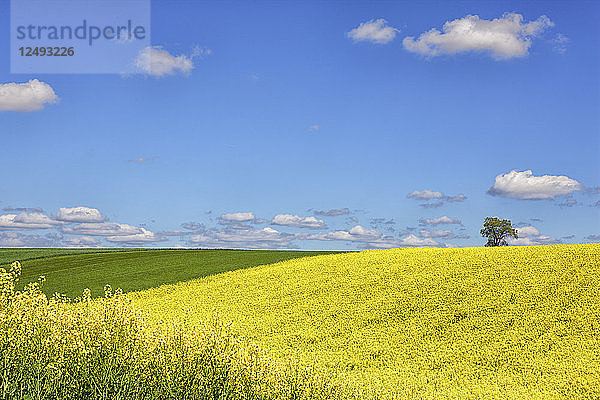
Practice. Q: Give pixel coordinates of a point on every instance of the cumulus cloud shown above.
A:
(155, 61)
(374, 31)
(79, 214)
(266, 238)
(455, 199)
(528, 231)
(298, 222)
(530, 235)
(333, 212)
(102, 229)
(22, 209)
(135, 239)
(526, 186)
(27, 221)
(193, 226)
(414, 241)
(440, 220)
(238, 217)
(505, 37)
(356, 234)
(371, 239)
(18, 239)
(425, 195)
(82, 241)
(28, 96)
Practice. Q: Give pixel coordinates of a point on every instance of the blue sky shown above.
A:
(262, 114)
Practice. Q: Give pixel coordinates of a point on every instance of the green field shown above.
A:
(132, 269)
(8, 255)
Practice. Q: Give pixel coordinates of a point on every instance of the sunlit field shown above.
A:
(69, 271)
(512, 322)
(471, 323)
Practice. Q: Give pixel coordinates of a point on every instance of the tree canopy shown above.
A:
(496, 230)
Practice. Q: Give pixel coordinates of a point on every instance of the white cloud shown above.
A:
(414, 241)
(238, 217)
(436, 233)
(28, 96)
(425, 195)
(374, 31)
(332, 213)
(266, 238)
(140, 238)
(528, 231)
(532, 241)
(102, 229)
(525, 186)
(364, 233)
(27, 221)
(158, 62)
(455, 199)
(503, 38)
(559, 43)
(82, 241)
(356, 234)
(298, 222)
(371, 239)
(314, 128)
(530, 235)
(79, 214)
(440, 220)
(17, 239)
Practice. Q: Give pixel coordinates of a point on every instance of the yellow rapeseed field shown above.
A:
(476, 323)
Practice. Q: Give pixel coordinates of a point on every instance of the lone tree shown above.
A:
(496, 230)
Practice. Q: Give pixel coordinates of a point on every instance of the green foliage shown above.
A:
(497, 230)
(141, 269)
(51, 348)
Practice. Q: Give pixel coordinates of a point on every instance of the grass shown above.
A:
(470, 323)
(134, 269)
(8, 255)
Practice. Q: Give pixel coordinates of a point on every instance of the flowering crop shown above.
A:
(105, 349)
(477, 323)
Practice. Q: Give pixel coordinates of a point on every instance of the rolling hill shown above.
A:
(511, 323)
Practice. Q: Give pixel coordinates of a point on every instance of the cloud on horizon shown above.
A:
(440, 220)
(332, 213)
(298, 222)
